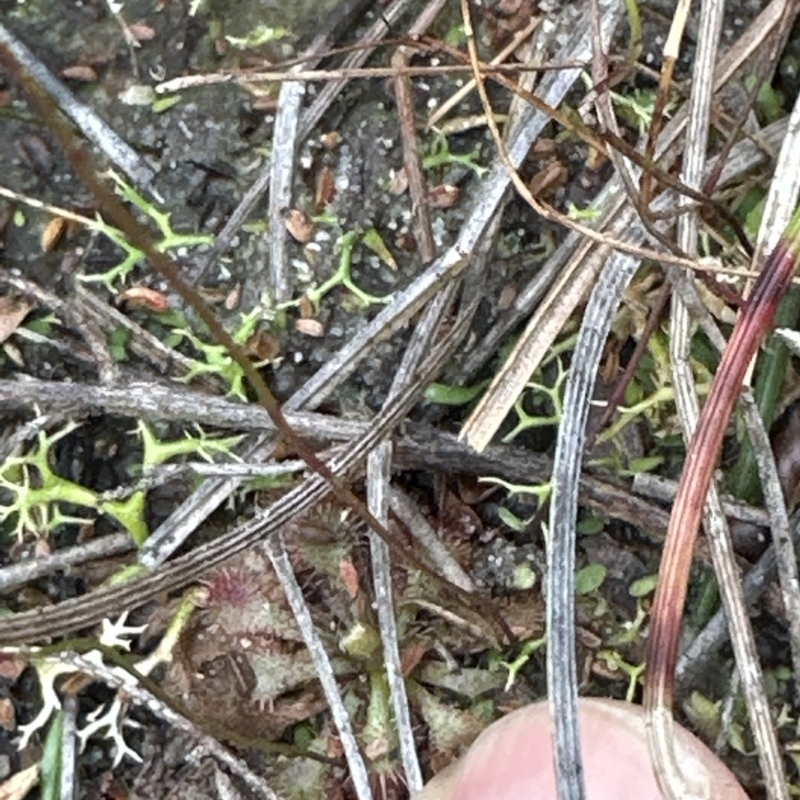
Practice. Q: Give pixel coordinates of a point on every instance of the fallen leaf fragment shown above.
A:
(349, 575)
(373, 241)
(142, 32)
(310, 327)
(263, 345)
(299, 225)
(330, 140)
(142, 297)
(234, 297)
(399, 182)
(325, 189)
(79, 72)
(306, 307)
(443, 196)
(19, 784)
(53, 233)
(8, 720)
(13, 311)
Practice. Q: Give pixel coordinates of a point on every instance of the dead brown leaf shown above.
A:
(310, 327)
(263, 345)
(142, 297)
(325, 189)
(299, 225)
(443, 196)
(13, 311)
(19, 784)
(80, 72)
(53, 233)
(142, 32)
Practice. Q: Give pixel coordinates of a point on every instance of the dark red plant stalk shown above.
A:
(753, 324)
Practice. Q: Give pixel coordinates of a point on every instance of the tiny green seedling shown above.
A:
(528, 649)
(590, 578)
(588, 214)
(446, 395)
(261, 34)
(618, 664)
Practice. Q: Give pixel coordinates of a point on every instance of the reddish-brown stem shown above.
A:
(754, 323)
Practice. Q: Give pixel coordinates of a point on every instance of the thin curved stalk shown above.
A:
(662, 650)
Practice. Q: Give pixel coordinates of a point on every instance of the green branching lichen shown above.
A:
(342, 276)
(214, 359)
(37, 493)
(441, 156)
(170, 240)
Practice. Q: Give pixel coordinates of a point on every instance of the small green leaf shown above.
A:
(524, 577)
(735, 736)
(261, 34)
(511, 520)
(43, 325)
(590, 213)
(51, 759)
(162, 104)
(361, 641)
(643, 586)
(590, 578)
(372, 240)
(644, 464)
(771, 103)
(118, 343)
(445, 395)
(590, 525)
(455, 36)
(704, 715)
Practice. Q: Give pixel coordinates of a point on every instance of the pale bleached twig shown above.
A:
(276, 551)
(379, 469)
(660, 488)
(67, 772)
(561, 633)
(23, 572)
(562, 676)
(282, 175)
(780, 202)
(96, 131)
